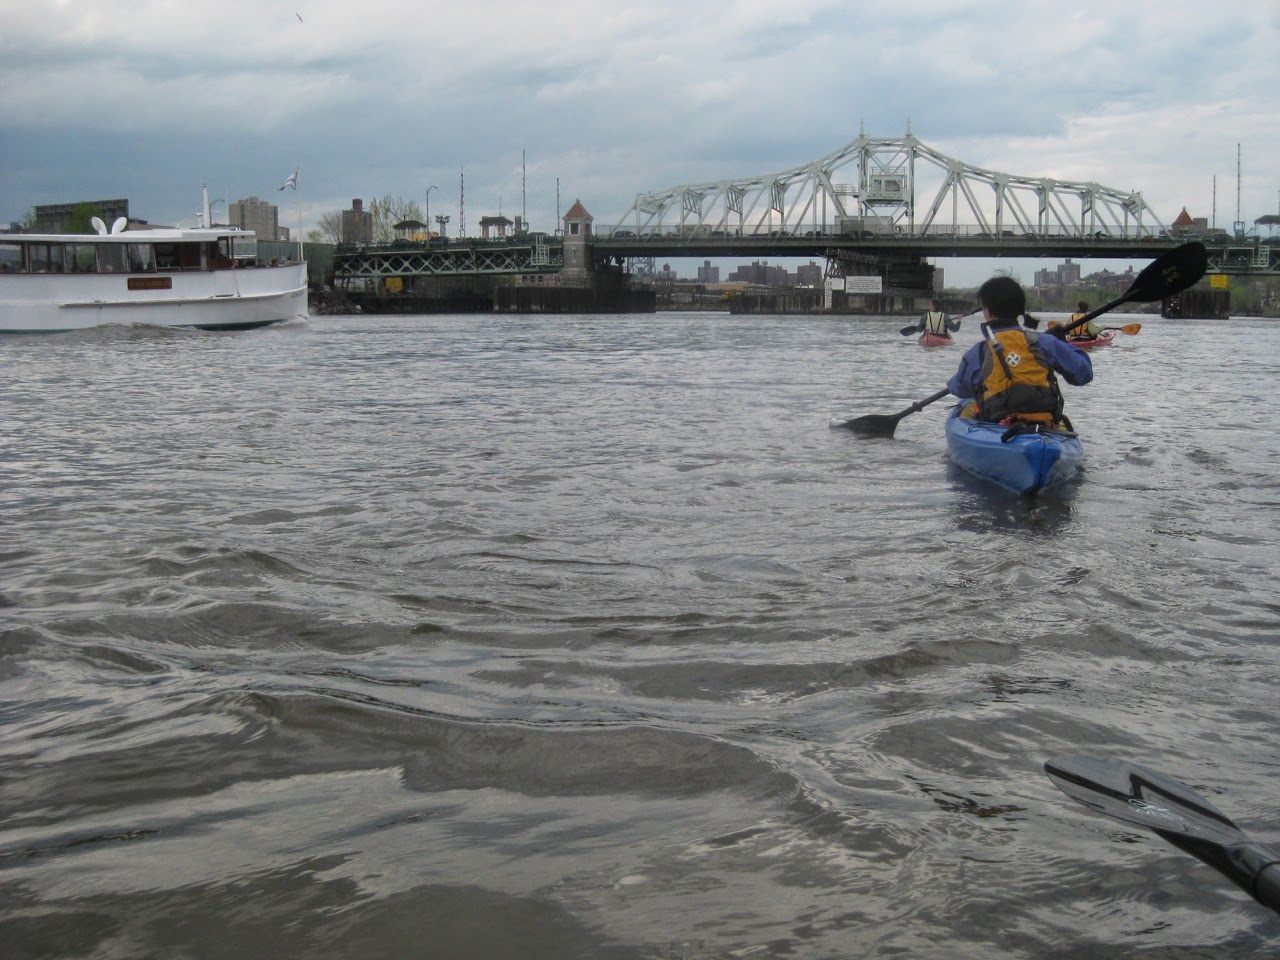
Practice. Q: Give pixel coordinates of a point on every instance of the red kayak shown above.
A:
(1101, 340)
(927, 339)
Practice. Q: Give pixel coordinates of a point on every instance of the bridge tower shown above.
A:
(576, 271)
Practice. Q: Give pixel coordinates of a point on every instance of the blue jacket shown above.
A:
(1072, 363)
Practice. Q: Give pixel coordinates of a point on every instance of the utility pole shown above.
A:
(462, 203)
(1239, 224)
(428, 212)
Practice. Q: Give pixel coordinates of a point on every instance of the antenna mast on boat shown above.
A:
(204, 207)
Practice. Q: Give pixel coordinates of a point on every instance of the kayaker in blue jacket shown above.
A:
(1011, 374)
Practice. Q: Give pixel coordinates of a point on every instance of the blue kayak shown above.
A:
(1024, 462)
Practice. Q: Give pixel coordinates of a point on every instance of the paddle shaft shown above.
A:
(1258, 873)
(921, 404)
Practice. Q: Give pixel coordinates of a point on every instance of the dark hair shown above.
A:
(1004, 297)
(1083, 306)
(935, 305)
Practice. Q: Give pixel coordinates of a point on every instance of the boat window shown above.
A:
(46, 257)
(188, 256)
(219, 254)
(11, 258)
(80, 258)
(177, 256)
(141, 258)
(166, 256)
(111, 258)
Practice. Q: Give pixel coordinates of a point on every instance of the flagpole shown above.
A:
(301, 259)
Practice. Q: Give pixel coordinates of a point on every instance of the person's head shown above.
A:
(1083, 306)
(935, 306)
(1003, 297)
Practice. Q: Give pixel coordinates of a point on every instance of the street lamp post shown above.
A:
(428, 212)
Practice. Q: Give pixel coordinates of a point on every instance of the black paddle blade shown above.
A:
(883, 424)
(908, 331)
(1143, 797)
(1175, 812)
(1164, 276)
(872, 425)
(1170, 273)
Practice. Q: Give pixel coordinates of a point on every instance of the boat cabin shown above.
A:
(169, 251)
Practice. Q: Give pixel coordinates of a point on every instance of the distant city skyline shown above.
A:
(959, 273)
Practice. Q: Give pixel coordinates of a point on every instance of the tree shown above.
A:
(81, 215)
(388, 211)
(328, 227)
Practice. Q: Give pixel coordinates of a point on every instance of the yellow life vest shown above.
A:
(1087, 331)
(1016, 379)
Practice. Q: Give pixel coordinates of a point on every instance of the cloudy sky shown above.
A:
(150, 99)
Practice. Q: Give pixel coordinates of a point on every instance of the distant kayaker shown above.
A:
(1009, 375)
(936, 322)
(1086, 331)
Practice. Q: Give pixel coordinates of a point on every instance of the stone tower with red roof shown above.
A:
(576, 271)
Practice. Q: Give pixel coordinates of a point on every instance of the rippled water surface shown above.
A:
(585, 637)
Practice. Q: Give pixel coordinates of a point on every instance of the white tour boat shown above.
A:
(172, 277)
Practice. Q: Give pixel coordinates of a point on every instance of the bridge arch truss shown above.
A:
(874, 187)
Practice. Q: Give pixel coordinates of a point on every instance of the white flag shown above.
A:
(292, 181)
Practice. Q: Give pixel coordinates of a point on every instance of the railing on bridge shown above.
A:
(355, 267)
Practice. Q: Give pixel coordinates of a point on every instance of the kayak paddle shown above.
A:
(883, 424)
(1169, 273)
(1175, 812)
(1129, 328)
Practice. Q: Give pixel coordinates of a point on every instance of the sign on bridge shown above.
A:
(863, 285)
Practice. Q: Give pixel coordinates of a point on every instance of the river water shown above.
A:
(585, 637)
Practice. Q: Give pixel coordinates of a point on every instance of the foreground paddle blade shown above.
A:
(1175, 812)
(872, 425)
(883, 424)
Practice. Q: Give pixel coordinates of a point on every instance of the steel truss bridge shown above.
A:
(876, 202)
(881, 187)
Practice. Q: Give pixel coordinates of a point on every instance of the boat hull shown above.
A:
(237, 299)
(927, 339)
(1026, 463)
